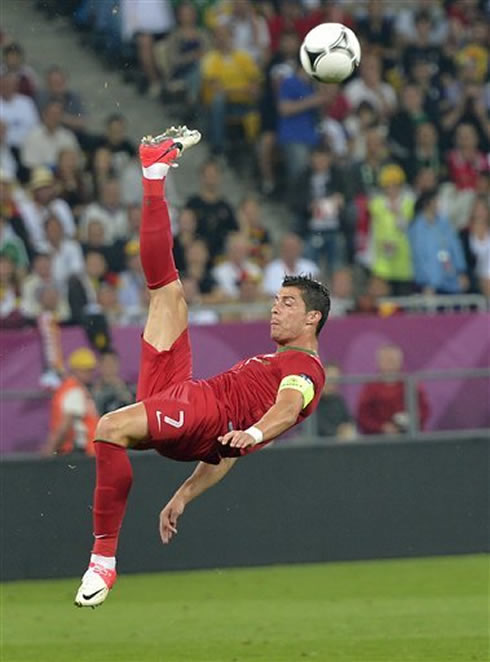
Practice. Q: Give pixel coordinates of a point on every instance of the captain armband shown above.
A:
(301, 383)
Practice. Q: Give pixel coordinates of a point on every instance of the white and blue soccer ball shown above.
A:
(330, 53)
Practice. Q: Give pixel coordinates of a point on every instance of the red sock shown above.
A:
(113, 482)
(156, 241)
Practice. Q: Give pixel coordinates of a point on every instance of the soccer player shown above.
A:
(215, 420)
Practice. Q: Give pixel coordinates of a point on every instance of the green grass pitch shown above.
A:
(424, 610)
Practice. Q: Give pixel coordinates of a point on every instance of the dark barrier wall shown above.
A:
(284, 506)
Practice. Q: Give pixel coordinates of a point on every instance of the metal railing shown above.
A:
(416, 303)
(310, 428)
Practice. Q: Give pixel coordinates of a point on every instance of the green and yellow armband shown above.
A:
(301, 383)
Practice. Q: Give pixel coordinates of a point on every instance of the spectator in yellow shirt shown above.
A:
(230, 88)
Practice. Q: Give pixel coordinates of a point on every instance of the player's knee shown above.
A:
(110, 428)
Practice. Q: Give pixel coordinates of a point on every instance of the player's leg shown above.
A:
(167, 316)
(114, 434)
(166, 323)
(166, 354)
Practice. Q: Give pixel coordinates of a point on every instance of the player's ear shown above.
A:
(313, 317)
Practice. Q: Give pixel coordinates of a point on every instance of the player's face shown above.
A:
(289, 316)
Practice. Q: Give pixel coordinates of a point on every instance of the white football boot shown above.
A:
(96, 584)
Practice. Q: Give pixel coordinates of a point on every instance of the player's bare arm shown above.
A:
(204, 477)
(278, 419)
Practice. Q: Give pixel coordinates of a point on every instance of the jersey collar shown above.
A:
(297, 349)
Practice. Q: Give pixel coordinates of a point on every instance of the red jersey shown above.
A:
(186, 418)
(380, 401)
(249, 389)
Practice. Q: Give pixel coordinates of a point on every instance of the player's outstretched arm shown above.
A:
(280, 417)
(203, 477)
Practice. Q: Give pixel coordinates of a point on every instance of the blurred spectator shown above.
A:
(13, 246)
(10, 210)
(109, 304)
(198, 313)
(83, 286)
(382, 408)
(17, 111)
(437, 253)
(362, 176)
(370, 87)
(131, 284)
(334, 418)
(391, 212)
(66, 254)
(467, 103)
(230, 88)
(377, 29)
(44, 143)
(13, 63)
(215, 216)
(237, 265)
(37, 291)
(288, 18)
(134, 221)
(319, 201)
(357, 126)
(252, 226)
(404, 123)
(8, 162)
(116, 141)
(282, 65)
(185, 236)
(43, 203)
(476, 240)
(421, 48)
(368, 302)
(101, 169)
(83, 298)
(405, 21)
(73, 115)
(10, 314)
(288, 263)
(73, 412)
(299, 99)
(180, 54)
(71, 184)
(110, 391)
(96, 241)
(424, 152)
(109, 210)
(341, 292)
(249, 293)
(147, 23)
(197, 267)
(249, 30)
(466, 162)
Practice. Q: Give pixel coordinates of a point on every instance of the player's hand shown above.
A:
(237, 439)
(168, 518)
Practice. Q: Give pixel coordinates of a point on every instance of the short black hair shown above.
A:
(316, 295)
(424, 200)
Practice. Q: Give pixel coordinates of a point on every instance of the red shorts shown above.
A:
(184, 417)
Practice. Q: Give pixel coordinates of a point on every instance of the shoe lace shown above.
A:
(105, 573)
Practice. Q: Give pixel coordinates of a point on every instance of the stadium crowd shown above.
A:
(386, 176)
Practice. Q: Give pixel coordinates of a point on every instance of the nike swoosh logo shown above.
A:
(92, 595)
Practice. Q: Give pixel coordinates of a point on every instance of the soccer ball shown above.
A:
(330, 53)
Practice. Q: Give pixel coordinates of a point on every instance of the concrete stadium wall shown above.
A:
(293, 505)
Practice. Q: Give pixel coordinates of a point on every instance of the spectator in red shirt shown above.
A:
(382, 404)
(466, 162)
(289, 18)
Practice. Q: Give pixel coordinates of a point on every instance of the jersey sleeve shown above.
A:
(303, 373)
(301, 383)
